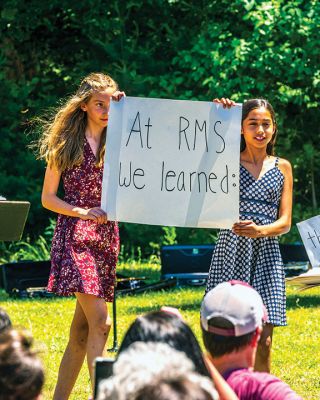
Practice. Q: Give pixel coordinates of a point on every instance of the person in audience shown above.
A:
(181, 387)
(167, 326)
(21, 371)
(141, 364)
(5, 321)
(232, 317)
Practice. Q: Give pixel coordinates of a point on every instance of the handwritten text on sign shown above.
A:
(172, 162)
(310, 234)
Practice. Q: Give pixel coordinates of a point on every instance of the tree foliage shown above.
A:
(161, 48)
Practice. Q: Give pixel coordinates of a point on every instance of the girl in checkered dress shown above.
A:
(250, 251)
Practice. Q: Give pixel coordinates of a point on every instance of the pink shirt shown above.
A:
(250, 385)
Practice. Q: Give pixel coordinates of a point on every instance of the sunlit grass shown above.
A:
(295, 351)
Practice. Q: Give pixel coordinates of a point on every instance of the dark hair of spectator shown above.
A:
(4, 320)
(218, 345)
(21, 372)
(253, 104)
(161, 326)
(173, 389)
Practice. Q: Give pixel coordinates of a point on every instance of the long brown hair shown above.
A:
(61, 143)
(252, 104)
(21, 371)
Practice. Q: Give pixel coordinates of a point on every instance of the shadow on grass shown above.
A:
(302, 300)
(294, 300)
(4, 297)
(175, 297)
(182, 308)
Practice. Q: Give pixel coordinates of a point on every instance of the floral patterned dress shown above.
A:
(84, 254)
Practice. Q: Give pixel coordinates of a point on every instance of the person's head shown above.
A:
(5, 321)
(181, 387)
(61, 144)
(258, 125)
(21, 372)
(139, 365)
(95, 92)
(166, 327)
(232, 315)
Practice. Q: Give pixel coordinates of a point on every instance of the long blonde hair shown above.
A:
(61, 143)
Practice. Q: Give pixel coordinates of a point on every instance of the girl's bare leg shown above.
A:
(96, 312)
(263, 357)
(74, 355)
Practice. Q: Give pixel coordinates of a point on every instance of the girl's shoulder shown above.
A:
(282, 162)
(284, 165)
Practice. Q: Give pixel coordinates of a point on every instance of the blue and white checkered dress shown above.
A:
(256, 261)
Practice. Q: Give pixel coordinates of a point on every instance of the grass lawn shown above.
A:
(296, 355)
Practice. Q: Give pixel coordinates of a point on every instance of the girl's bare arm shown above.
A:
(52, 202)
(283, 223)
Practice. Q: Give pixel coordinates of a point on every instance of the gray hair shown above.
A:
(141, 364)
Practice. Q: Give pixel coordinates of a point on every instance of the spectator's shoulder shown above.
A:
(245, 383)
(248, 384)
(275, 389)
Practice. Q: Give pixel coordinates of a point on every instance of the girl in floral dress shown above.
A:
(85, 245)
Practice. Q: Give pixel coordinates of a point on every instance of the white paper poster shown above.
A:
(172, 162)
(310, 234)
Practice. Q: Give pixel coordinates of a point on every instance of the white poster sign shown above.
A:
(172, 162)
(310, 234)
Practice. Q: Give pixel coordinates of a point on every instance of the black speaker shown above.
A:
(293, 252)
(190, 264)
(18, 277)
(295, 259)
(186, 263)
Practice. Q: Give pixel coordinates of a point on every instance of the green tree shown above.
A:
(160, 48)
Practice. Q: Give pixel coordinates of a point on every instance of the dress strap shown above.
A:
(276, 163)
